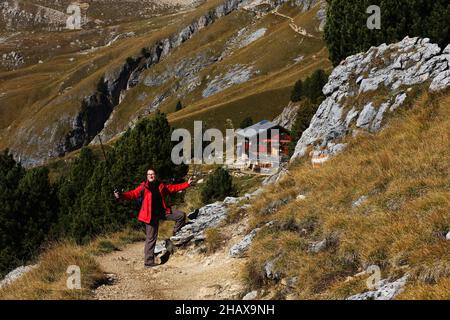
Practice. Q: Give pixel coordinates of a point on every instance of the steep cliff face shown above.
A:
(366, 87)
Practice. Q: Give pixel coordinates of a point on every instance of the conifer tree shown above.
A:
(28, 209)
(297, 91)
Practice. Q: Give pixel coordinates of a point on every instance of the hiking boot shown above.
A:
(150, 265)
(193, 215)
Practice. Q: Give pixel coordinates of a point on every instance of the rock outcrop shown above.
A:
(386, 290)
(251, 295)
(270, 271)
(12, 60)
(209, 216)
(240, 248)
(16, 274)
(262, 7)
(16, 15)
(349, 104)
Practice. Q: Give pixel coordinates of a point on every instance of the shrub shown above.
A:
(311, 88)
(218, 186)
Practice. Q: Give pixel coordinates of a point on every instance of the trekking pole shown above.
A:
(106, 159)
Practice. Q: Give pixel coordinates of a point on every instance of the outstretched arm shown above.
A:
(178, 187)
(130, 195)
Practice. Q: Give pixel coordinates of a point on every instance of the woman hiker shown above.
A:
(154, 209)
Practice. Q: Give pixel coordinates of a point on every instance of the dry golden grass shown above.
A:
(439, 291)
(405, 172)
(48, 280)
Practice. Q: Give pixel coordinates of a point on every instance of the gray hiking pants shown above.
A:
(151, 231)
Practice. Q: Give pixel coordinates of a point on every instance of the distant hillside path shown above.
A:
(187, 275)
(293, 26)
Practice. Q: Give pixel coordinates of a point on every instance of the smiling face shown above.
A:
(151, 175)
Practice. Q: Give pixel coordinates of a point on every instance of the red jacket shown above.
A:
(145, 214)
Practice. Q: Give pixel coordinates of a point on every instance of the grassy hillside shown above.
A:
(404, 172)
(48, 280)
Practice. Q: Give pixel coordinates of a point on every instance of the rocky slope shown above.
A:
(366, 87)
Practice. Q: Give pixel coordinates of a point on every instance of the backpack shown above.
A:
(140, 199)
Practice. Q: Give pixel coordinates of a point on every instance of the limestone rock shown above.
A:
(276, 177)
(160, 247)
(209, 216)
(289, 283)
(335, 148)
(366, 117)
(240, 248)
(386, 290)
(270, 272)
(235, 75)
(318, 246)
(398, 68)
(231, 200)
(16, 274)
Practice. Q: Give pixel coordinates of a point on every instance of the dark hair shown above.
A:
(151, 169)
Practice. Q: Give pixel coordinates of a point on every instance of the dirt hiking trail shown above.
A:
(188, 274)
